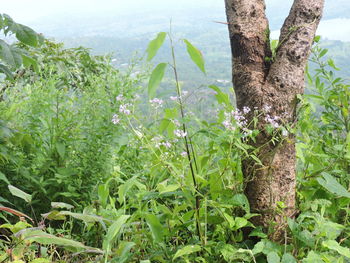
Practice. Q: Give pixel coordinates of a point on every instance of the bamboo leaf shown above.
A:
(154, 45)
(19, 193)
(4, 178)
(114, 229)
(186, 251)
(195, 55)
(156, 227)
(155, 79)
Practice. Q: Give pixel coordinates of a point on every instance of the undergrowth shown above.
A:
(92, 178)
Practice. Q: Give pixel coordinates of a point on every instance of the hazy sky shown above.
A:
(29, 11)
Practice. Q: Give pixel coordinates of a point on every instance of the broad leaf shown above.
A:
(334, 245)
(240, 222)
(156, 227)
(195, 55)
(154, 45)
(313, 257)
(155, 79)
(30, 62)
(273, 257)
(288, 258)
(186, 251)
(10, 55)
(332, 185)
(5, 70)
(19, 193)
(26, 35)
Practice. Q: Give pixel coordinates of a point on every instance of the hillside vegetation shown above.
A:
(103, 162)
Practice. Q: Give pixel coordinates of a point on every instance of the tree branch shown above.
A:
(298, 31)
(249, 36)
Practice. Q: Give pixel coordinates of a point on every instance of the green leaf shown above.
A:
(87, 218)
(331, 64)
(154, 45)
(26, 35)
(155, 79)
(288, 258)
(242, 200)
(4, 178)
(334, 245)
(221, 97)
(168, 188)
(5, 70)
(313, 257)
(61, 205)
(10, 55)
(19, 193)
(230, 220)
(317, 38)
(61, 149)
(47, 239)
(30, 62)
(186, 251)
(195, 55)
(156, 227)
(103, 194)
(257, 232)
(114, 229)
(332, 185)
(259, 247)
(323, 52)
(273, 257)
(40, 260)
(240, 222)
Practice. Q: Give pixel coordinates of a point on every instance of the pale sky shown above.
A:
(29, 11)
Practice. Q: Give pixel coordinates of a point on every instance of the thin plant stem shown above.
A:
(186, 139)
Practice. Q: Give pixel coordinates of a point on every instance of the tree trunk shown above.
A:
(271, 85)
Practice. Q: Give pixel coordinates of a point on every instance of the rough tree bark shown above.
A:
(261, 82)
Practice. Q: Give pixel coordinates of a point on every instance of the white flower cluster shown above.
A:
(156, 103)
(237, 117)
(180, 133)
(272, 120)
(115, 119)
(124, 108)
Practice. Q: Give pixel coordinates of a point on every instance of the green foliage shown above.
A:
(128, 182)
(12, 56)
(154, 45)
(155, 79)
(62, 142)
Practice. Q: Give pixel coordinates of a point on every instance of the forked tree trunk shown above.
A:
(260, 82)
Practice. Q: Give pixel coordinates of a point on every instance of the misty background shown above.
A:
(123, 27)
